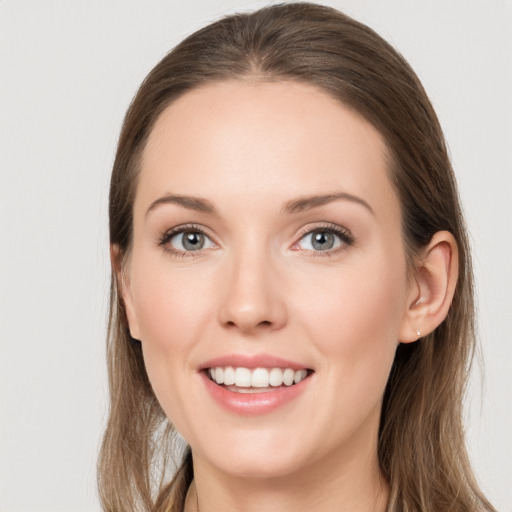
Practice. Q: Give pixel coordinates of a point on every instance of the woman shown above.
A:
(291, 287)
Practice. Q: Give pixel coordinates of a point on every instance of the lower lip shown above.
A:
(253, 404)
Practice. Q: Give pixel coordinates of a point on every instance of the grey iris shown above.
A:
(193, 241)
(322, 240)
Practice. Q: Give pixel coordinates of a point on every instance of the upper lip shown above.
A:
(251, 361)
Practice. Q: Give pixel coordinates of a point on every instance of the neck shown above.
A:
(352, 483)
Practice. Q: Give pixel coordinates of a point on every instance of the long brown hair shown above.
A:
(421, 440)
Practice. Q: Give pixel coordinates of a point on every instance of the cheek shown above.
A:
(170, 310)
(355, 320)
(355, 325)
(174, 305)
(169, 305)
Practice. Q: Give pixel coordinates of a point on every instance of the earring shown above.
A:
(418, 333)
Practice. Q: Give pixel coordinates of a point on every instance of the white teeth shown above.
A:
(276, 377)
(256, 378)
(229, 376)
(219, 375)
(242, 378)
(299, 375)
(259, 378)
(288, 376)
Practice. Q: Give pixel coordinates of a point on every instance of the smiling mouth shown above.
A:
(256, 380)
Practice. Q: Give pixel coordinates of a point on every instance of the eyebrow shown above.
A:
(191, 203)
(315, 201)
(294, 206)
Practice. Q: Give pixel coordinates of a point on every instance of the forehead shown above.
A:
(262, 139)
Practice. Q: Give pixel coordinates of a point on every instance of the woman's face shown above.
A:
(267, 246)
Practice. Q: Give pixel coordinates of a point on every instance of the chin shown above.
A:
(260, 468)
(257, 456)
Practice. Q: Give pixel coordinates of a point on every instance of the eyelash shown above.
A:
(343, 234)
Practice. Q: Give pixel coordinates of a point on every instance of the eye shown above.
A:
(324, 240)
(186, 240)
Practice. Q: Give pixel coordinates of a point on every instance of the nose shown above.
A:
(253, 300)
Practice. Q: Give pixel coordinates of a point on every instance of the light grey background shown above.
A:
(68, 70)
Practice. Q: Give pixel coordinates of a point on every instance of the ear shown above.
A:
(433, 287)
(123, 289)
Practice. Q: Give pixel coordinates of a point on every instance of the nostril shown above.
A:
(263, 323)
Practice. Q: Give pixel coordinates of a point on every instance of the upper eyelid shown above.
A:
(186, 227)
(167, 235)
(327, 226)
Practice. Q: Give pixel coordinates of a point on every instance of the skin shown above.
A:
(258, 286)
